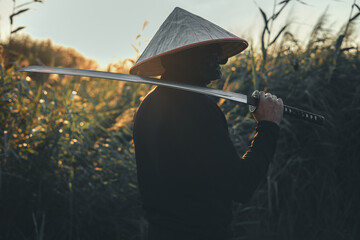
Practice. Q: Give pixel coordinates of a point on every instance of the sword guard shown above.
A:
(253, 100)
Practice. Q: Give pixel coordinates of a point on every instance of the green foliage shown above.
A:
(310, 187)
(67, 158)
(310, 192)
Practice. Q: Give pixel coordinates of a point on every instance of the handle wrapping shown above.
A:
(304, 115)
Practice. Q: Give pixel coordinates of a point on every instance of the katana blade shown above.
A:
(237, 97)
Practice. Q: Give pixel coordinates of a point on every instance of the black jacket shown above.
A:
(188, 169)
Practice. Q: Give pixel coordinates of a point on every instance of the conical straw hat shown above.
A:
(183, 30)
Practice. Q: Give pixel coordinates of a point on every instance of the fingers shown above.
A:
(270, 97)
(273, 100)
(270, 108)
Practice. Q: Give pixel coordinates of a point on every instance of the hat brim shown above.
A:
(153, 67)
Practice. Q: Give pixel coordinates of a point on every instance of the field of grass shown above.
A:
(67, 167)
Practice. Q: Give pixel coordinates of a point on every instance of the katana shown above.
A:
(251, 100)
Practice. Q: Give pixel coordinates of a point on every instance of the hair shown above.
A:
(189, 56)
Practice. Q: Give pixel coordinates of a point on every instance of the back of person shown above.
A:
(176, 173)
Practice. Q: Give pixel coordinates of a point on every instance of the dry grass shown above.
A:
(67, 158)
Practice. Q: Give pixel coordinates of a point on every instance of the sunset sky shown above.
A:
(104, 30)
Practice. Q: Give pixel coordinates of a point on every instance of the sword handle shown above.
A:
(253, 102)
(304, 115)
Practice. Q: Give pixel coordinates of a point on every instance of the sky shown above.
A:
(105, 29)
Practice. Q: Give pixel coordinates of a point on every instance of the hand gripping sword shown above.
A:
(251, 100)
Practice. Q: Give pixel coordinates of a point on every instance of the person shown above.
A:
(188, 169)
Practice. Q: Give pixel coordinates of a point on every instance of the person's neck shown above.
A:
(183, 77)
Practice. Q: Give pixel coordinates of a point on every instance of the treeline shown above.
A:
(24, 50)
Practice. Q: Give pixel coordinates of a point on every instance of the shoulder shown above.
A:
(163, 97)
(175, 103)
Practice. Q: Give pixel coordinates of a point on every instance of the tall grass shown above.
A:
(68, 170)
(311, 190)
(67, 157)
